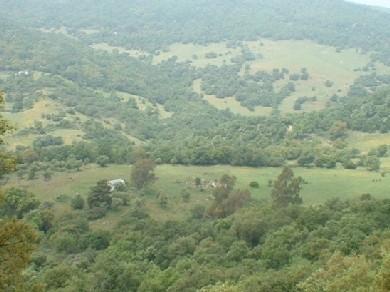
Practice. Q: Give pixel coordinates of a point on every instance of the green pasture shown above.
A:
(321, 185)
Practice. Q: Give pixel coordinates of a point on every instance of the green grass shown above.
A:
(196, 54)
(322, 62)
(366, 142)
(27, 118)
(386, 164)
(230, 103)
(322, 184)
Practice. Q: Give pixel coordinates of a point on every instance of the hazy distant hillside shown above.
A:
(151, 24)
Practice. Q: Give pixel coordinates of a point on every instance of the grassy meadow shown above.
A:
(197, 54)
(230, 103)
(323, 63)
(366, 142)
(321, 185)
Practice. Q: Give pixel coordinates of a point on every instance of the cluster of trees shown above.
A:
(234, 243)
(250, 90)
(17, 239)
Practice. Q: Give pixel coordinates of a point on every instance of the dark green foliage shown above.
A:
(321, 21)
(103, 160)
(78, 202)
(99, 196)
(142, 173)
(18, 203)
(186, 195)
(226, 245)
(46, 141)
(286, 189)
(258, 248)
(226, 199)
(249, 90)
(98, 240)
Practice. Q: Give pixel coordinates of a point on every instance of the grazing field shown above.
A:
(230, 103)
(322, 184)
(199, 55)
(27, 118)
(322, 63)
(366, 142)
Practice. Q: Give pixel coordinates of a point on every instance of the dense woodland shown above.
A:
(117, 102)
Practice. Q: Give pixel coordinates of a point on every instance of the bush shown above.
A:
(78, 203)
(186, 195)
(122, 196)
(98, 240)
(198, 212)
(103, 160)
(96, 213)
(254, 184)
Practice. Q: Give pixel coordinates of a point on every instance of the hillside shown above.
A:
(200, 146)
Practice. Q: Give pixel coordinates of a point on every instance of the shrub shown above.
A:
(78, 202)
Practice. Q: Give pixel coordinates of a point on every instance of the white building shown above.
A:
(115, 183)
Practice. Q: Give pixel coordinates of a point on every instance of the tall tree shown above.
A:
(226, 199)
(99, 195)
(286, 189)
(142, 173)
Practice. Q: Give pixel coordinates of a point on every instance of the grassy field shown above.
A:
(27, 118)
(197, 54)
(230, 103)
(366, 142)
(322, 184)
(322, 62)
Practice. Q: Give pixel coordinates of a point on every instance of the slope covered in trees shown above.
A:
(153, 24)
(95, 85)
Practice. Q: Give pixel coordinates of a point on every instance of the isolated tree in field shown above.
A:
(99, 195)
(226, 199)
(142, 173)
(286, 189)
(78, 202)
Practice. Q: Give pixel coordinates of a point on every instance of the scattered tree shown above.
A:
(142, 173)
(286, 189)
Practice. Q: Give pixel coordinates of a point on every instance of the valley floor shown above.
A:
(321, 185)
